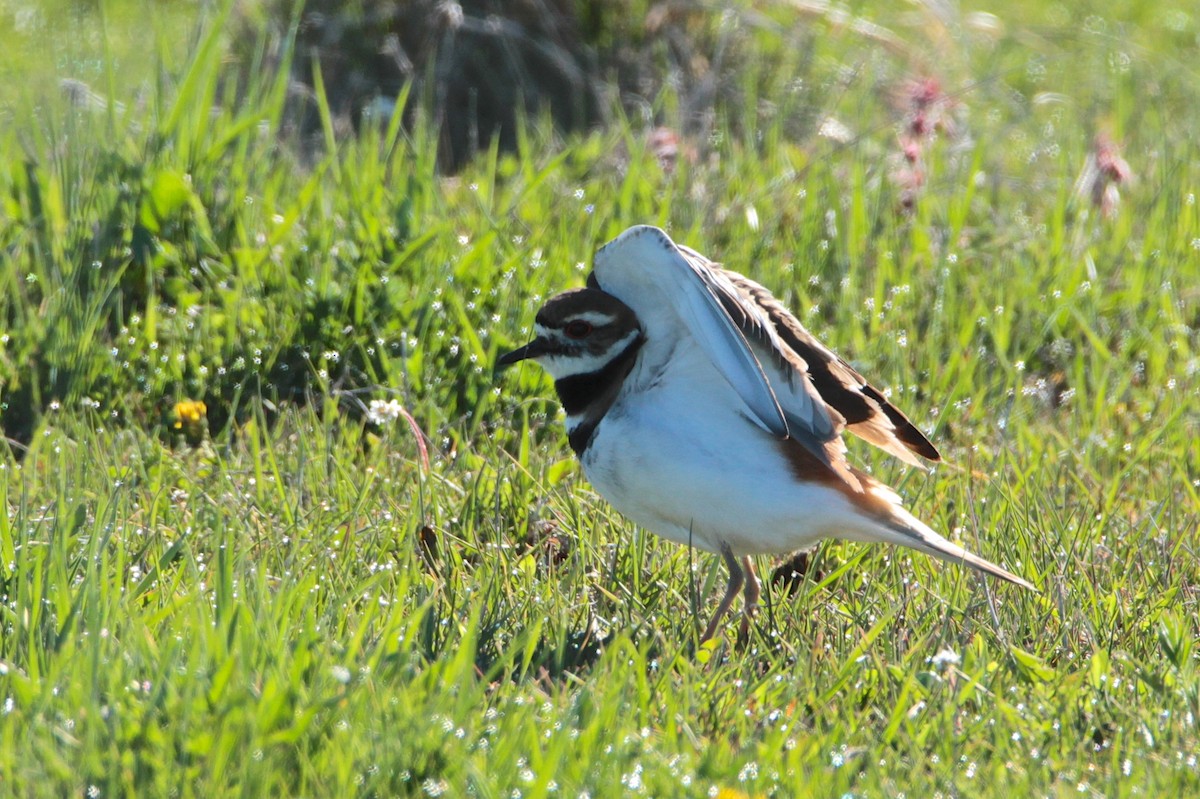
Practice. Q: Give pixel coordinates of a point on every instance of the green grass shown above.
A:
(295, 602)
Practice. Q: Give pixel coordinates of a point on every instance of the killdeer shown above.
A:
(706, 413)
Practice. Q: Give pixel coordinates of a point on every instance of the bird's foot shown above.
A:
(744, 628)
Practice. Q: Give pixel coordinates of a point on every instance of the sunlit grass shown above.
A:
(221, 574)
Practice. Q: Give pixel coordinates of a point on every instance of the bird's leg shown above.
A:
(736, 579)
(752, 592)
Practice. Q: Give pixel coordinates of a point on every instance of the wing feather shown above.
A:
(644, 269)
(867, 412)
(792, 384)
(668, 285)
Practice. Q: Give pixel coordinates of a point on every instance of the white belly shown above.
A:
(686, 466)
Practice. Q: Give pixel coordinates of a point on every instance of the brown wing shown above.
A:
(837, 396)
(867, 412)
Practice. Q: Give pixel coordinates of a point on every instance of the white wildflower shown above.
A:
(384, 411)
(944, 659)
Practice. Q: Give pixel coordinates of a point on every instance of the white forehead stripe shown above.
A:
(593, 318)
(596, 318)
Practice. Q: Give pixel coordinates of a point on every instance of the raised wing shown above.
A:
(792, 384)
(644, 269)
(669, 286)
(867, 412)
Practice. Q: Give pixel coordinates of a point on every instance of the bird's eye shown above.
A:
(578, 328)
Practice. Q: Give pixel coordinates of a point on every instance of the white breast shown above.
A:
(677, 454)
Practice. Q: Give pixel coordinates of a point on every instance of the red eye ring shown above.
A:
(578, 328)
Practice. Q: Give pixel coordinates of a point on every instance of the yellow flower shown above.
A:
(734, 793)
(189, 412)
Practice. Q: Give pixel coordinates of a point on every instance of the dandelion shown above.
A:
(189, 412)
(189, 418)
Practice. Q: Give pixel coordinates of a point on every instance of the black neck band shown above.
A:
(579, 392)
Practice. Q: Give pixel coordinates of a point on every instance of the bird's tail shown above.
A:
(901, 527)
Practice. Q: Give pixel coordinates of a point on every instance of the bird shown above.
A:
(704, 411)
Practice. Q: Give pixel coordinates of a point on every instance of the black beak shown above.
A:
(533, 349)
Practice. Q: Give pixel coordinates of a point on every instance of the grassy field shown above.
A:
(989, 210)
